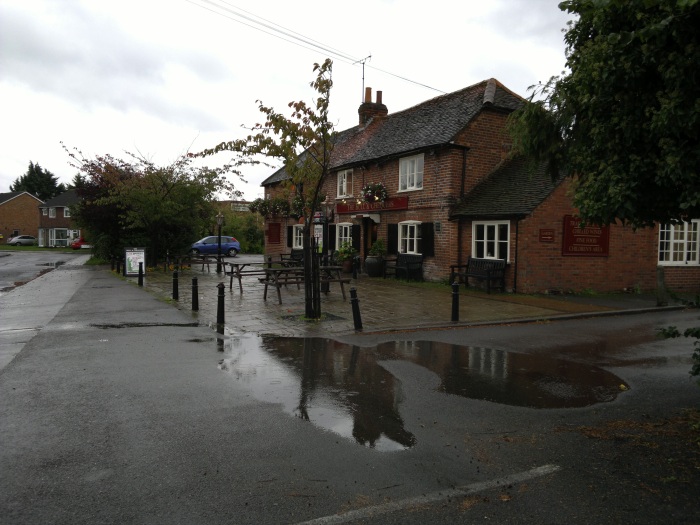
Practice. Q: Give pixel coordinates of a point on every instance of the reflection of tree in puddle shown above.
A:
(342, 388)
(333, 385)
(510, 378)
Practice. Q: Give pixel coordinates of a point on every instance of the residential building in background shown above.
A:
(18, 214)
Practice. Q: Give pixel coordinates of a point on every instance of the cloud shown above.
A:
(74, 54)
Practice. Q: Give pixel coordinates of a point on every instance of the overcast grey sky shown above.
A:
(162, 77)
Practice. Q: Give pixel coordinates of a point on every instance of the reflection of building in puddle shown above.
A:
(343, 388)
(335, 386)
(509, 378)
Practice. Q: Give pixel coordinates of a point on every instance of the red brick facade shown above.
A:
(19, 214)
(536, 259)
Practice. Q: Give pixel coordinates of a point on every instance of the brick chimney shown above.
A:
(369, 109)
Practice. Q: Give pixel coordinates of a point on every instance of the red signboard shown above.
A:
(355, 206)
(581, 240)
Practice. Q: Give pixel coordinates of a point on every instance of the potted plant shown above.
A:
(344, 256)
(374, 262)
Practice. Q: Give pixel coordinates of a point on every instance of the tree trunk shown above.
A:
(312, 285)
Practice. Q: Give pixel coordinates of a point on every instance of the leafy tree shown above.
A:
(246, 227)
(39, 182)
(625, 120)
(303, 143)
(136, 203)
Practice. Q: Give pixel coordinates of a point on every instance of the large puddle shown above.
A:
(344, 389)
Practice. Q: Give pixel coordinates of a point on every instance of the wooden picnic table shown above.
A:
(279, 277)
(238, 271)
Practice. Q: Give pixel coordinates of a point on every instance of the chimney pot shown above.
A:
(368, 94)
(379, 97)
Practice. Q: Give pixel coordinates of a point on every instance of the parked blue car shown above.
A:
(210, 245)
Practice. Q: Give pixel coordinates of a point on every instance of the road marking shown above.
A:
(374, 511)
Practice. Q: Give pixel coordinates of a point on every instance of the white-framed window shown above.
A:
(411, 173)
(52, 213)
(345, 183)
(409, 237)
(491, 240)
(343, 232)
(66, 211)
(678, 243)
(298, 236)
(44, 211)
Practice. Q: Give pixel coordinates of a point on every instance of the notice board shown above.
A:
(582, 240)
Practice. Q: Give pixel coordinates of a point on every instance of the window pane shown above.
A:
(692, 242)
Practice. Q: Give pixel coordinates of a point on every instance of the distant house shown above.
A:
(452, 190)
(56, 227)
(18, 214)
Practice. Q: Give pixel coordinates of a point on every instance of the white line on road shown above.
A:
(386, 508)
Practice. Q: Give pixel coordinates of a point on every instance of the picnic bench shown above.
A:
(295, 258)
(409, 265)
(178, 262)
(237, 270)
(490, 271)
(279, 277)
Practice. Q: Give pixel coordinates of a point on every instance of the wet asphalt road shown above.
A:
(117, 410)
(21, 266)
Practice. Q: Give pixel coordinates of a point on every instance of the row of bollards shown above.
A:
(220, 321)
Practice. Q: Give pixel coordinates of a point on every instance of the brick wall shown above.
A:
(20, 213)
(446, 170)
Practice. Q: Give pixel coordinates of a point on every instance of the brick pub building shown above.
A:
(454, 191)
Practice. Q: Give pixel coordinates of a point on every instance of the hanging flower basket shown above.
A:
(375, 192)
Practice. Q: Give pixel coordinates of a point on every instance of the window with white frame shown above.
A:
(44, 211)
(678, 243)
(409, 237)
(411, 173)
(345, 183)
(52, 212)
(491, 240)
(298, 236)
(343, 234)
(66, 212)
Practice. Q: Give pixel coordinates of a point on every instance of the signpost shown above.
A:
(132, 258)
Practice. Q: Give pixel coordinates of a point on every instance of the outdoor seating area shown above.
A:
(489, 271)
(278, 274)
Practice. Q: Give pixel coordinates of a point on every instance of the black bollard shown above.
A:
(195, 295)
(220, 309)
(355, 309)
(176, 294)
(455, 301)
(140, 273)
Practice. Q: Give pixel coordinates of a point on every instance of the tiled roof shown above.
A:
(432, 123)
(4, 197)
(67, 198)
(512, 190)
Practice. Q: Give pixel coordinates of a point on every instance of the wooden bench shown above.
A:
(180, 262)
(332, 274)
(238, 271)
(279, 277)
(295, 258)
(491, 271)
(409, 265)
